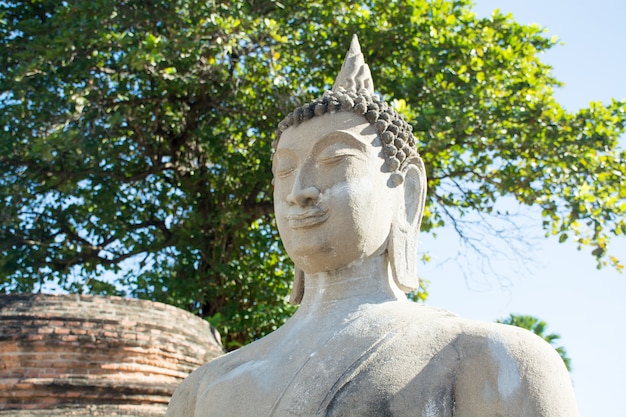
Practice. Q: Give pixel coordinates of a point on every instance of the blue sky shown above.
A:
(560, 285)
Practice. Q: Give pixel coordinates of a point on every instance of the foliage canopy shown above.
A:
(136, 138)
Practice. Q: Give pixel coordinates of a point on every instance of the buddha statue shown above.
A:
(349, 192)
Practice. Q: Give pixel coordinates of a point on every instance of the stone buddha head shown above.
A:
(348, 182)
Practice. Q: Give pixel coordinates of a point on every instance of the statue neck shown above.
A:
(366, 282)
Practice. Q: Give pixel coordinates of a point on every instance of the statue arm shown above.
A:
(512, 372)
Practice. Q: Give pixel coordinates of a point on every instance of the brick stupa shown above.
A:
(71, 355)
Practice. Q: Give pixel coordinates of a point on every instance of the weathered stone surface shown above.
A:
(348, 209)
(91, 356)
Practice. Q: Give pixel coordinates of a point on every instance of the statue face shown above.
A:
(333, 203)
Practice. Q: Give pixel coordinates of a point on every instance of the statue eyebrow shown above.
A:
(339, 137)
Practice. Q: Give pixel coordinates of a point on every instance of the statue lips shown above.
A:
(307, 218)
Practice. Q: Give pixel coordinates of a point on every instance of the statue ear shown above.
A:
(297, 290)
(402, 246)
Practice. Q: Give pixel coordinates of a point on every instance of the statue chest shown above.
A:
(380, 373)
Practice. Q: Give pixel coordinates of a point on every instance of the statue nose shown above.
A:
(303, 196)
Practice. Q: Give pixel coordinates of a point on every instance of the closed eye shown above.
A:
(284, 171)
(283, 164)
(336, 157)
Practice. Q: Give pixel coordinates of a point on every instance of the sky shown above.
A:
(559, 284)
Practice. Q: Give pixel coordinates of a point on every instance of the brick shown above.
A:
(142, 336)
(45, 330)
(9, 347)
(61, 330)
(46, 401)
(73, 394)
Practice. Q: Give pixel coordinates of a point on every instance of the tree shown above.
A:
(136, 138)
(538, 327)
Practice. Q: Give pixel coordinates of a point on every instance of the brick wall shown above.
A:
(76, 355)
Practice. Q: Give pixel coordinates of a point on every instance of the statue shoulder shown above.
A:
(183, 402)
(209, 378)
(511, 370)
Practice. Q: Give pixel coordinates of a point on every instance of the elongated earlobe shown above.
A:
(297, 290)
(402, 247)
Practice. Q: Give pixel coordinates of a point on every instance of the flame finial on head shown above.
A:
(355, 73)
